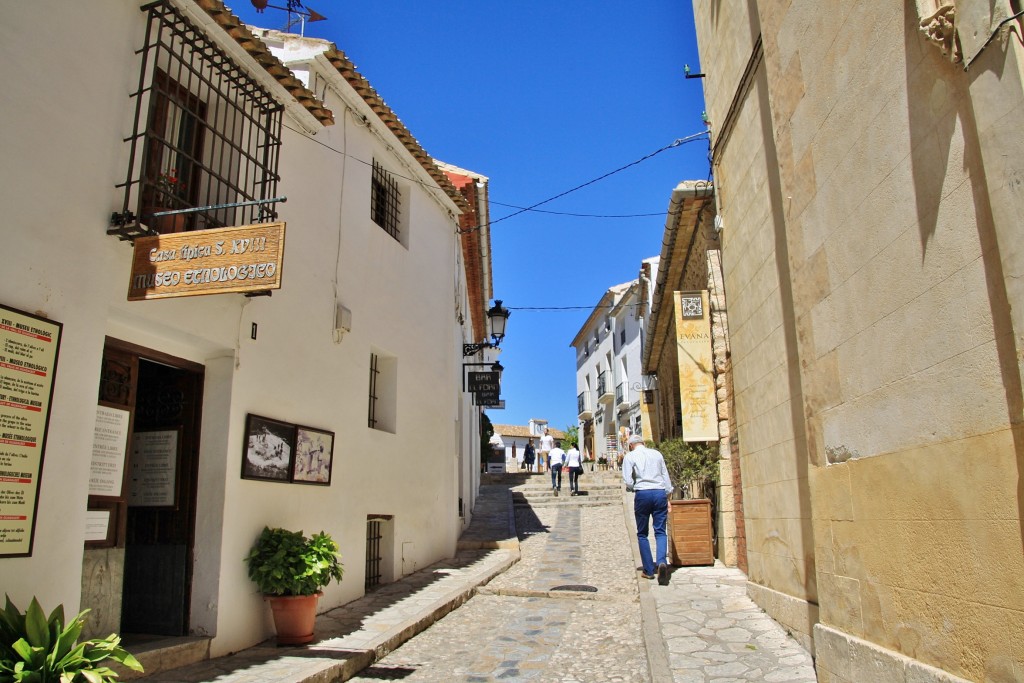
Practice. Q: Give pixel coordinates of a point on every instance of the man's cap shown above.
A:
(636, 438)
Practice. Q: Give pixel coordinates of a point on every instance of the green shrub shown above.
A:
(37, 649)
(285, 562)
(691, 463)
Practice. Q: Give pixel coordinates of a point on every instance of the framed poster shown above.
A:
(29, 346)
(314, 456)
(268, 449)
(109, 447)
(153, 472)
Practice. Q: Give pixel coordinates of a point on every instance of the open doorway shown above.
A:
(156, 512)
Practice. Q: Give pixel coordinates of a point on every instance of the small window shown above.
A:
(383, 392)
(385, 201)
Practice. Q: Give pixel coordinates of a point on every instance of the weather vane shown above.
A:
(297, 14)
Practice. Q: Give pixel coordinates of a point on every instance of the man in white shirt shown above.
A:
(555, 459)
(547, 442)
(644, 472)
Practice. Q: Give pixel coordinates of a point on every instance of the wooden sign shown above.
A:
(244, 258)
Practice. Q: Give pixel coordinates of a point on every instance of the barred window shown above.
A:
(383, 395)
(385, 201)
(374, 372)
(206, 135)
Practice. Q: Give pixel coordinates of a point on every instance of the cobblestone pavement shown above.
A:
(526, 626)
(572, 609)
(714, 632)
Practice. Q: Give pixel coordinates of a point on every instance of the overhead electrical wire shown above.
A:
(584, 215)
(532, 207)
(674, 143)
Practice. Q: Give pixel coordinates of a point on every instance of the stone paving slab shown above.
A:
(521, 626)
(351, 637)
(703, 627)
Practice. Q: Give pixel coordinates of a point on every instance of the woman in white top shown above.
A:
(575, 465)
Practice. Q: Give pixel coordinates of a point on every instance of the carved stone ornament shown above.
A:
(940, 28)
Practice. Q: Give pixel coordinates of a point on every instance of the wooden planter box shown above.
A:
(689, 533)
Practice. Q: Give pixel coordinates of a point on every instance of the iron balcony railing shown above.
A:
(581, 404)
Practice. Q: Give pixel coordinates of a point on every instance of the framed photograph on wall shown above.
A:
(314, 456)
(269, 445)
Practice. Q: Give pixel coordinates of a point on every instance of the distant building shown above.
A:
(609, 381)
(515, 437)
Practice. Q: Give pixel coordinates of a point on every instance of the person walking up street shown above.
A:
(644, 473)
(547, 442)
(575, 465)
(555, 460)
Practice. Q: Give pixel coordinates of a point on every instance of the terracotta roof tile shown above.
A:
(524, 431)
(348, 71)
(259, 51)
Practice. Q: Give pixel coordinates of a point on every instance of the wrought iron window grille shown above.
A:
(206, 138)
(385, 201)
(374, 373)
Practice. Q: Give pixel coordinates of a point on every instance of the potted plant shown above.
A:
(602, 462)
(693, 468)
(167, 191)
(34, 647)
(290, 569)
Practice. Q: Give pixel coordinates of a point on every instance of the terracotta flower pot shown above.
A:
(294, 617)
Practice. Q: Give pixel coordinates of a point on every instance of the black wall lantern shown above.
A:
(497, 315)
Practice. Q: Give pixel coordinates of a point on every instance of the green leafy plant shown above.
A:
(35, 648)
(572, 437)
(691, 463)
(286, 562)
(486, 432)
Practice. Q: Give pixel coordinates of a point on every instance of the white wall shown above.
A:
(65, 127)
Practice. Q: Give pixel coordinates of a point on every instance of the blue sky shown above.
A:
(540, 98)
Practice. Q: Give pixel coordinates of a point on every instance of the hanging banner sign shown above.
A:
(488, 399)
(696, 376)
(29, 347)
(239, 259)
(483, 381)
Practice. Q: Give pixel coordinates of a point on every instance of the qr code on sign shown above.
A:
(691, 306)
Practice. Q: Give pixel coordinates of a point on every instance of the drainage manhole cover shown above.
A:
(579, 588)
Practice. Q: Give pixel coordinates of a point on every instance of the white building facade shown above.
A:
(360, 346)
(609, 382)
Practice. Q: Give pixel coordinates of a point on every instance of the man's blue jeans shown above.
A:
(651, 503)
(556, 477)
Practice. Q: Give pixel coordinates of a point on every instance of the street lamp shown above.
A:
(498, 317)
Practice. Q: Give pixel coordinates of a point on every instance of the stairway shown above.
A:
(596, 488)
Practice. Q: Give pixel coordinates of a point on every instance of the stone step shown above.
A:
(566, 501)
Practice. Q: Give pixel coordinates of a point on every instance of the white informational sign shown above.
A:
(97, 524)
(154, 467)
(109, 443)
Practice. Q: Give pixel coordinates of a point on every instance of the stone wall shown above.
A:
(865, 186)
